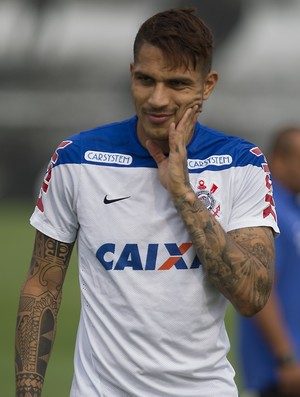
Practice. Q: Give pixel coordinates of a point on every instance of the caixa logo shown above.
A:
(131, 257)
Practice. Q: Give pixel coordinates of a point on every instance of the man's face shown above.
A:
(163, 94)
(291, 164)
(286, 166)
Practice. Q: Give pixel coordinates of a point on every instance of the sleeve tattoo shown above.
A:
(38, 308)
(238, 263)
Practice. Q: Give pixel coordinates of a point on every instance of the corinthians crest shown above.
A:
(206, 196)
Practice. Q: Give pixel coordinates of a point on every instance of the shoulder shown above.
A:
(107, 131)
(240, 151)
(102, 138)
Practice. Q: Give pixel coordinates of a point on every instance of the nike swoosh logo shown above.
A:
(108, 201)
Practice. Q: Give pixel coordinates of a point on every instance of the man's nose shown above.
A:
(159, 96)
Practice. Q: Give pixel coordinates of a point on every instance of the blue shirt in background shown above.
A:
(258, 362)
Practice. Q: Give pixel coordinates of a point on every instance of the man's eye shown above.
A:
(144, 79)
(177, 84)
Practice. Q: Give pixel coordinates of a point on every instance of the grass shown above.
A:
(16, 236)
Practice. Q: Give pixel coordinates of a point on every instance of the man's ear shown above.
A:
(131, 70)
(210, 83)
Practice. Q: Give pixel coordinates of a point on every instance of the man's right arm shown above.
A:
(270, 321)
(39, 303)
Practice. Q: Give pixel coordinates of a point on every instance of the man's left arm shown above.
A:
(240, 263)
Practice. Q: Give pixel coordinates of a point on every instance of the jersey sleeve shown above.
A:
(55, 213)
(253, 203)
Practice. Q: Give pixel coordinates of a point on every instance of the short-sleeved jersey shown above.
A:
(151, 323)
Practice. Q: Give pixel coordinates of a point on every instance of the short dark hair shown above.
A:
(181, 35)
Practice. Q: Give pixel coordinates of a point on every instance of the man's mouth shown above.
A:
(157, 117)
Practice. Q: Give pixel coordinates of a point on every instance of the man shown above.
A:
(171, 218)
(270, 343)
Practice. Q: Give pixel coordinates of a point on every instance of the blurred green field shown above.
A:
(16, 236)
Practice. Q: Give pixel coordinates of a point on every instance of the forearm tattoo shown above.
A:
(238, 263)
(38, 307)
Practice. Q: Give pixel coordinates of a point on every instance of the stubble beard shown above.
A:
(152, 132)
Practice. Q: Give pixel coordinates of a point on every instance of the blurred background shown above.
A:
(64, 67)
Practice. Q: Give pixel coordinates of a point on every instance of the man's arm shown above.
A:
(240, 264)
(39, 303)
(271, 323)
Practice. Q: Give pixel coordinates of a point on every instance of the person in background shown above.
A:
(270, 341)
(172, 220)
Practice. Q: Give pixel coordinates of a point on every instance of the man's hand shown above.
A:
(172, 169)
(289, 379)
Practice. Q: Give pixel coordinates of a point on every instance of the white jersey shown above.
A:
(151, 324)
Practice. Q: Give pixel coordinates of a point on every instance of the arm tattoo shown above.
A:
(239, 263)
(38, 308)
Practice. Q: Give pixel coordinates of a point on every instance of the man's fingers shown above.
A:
(155, 151)
(188, 120)
(179, 134)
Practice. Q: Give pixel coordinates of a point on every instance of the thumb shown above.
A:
(155, 151)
